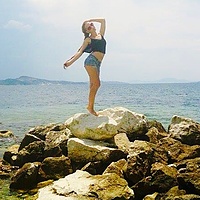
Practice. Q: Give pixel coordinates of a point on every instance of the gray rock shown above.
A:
(84, 151)
(185, 130)
(107, 124)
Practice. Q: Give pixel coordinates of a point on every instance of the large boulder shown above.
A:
(107, 124)
(161, 179)
(34, 152)
(55, 168)
(85, 151)
(184, 129)
(189, 175)
(84, 186)
(141, 156)
(178, 151)
(26, 177)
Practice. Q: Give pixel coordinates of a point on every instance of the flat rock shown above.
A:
(82, 185)
(84, 150)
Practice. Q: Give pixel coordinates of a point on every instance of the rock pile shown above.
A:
(117, 155)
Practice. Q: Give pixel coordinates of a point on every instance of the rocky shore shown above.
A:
(118, 155)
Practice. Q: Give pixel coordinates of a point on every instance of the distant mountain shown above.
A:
(172, 80)
(26, 80)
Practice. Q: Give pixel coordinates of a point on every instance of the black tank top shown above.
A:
(98, 45)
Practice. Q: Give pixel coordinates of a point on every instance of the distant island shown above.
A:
(26, 80)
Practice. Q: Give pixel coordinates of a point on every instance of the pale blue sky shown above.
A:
(147, 40)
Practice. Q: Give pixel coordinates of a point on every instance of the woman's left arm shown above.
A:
(102, 22)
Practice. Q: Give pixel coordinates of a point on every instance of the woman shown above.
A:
(95, 44)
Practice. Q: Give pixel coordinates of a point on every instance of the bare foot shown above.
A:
(91, 111)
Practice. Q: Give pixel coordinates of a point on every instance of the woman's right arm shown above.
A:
(78, 53)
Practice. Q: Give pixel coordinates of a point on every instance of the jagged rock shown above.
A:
(55, 168)
(155, 135)
(179, 151)
(107, 187)
(185, 130)
(176, 193)
(189, 175)
(6, 134)
(108, 123)
(141, 156)
(25, 177)
(29, 138)
(32, 153)
(84, 151)
(183, 197)
(56, 143)
(188, 165)
(10, 155)
(41, 131)
(154, 196)
(93, 168)
(118, 156)
(161, 179)
(118, 168)
(39, 143)
(156, 125)
(122, 142)
(6, 169)
(163, 176)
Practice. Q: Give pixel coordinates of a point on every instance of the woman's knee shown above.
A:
(95, 85)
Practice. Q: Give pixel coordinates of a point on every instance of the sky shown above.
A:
(147, 40)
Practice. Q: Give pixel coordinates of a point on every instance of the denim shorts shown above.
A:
(91, 60)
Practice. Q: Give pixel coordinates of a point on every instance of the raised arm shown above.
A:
(78, 54)
(102, 26)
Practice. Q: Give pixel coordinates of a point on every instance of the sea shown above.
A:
(23, 107)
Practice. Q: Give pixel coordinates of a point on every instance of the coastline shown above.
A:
(132, 134)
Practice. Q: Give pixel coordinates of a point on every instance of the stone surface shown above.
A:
(189, 175)
(155, 135)
(106, 187)
(185, 130)
(10, 155)
(32, 153)
(6, 170)
(118, 168)
(160, 179)
(178, 151)
(55, 168)
(108, 123)
(25, 177)
(84, 150)
(6, 134)
(56, 143)
(131, 151)
(141, 156)
(122, 142)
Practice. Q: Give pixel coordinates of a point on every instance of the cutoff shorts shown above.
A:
(91, 60)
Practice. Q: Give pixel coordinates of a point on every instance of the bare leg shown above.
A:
(94, 86)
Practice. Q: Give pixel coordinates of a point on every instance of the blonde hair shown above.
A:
(86, 34)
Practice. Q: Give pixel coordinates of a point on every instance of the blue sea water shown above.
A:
(25, 106)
